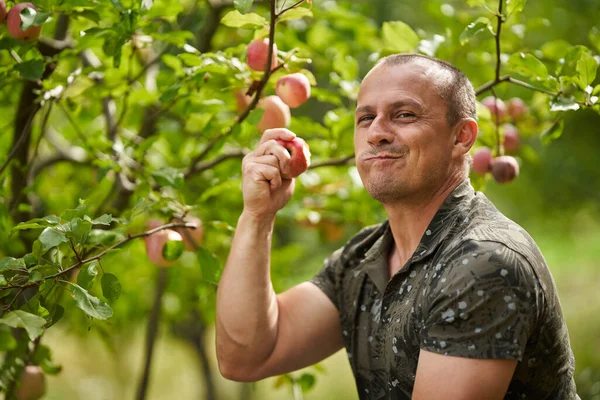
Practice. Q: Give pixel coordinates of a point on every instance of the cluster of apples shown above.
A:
(13, 21)
(164, 247)
(291, 90)
(503, 168)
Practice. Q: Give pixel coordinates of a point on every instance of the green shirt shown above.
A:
(477, 286)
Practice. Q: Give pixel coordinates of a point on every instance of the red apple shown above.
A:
(300, 156)
(163, 247)
(293, 89)
(32, 384)
(242, 100)
(192, 237)
(277, 114)
(258, 50)
(504, 169)
(496, 106)
(482, 160)
(2, 11)
(516, 107)
(511, 138)
(13, 24)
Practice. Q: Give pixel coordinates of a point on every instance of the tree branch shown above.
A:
(283, 11)
(203, 166)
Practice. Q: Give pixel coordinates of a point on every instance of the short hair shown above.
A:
(452, 85)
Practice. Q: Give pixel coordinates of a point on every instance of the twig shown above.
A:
(217, 160)
(283, 11)
(24, 134)
(500, 20)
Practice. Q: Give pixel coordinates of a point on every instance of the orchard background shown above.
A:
(124, 113)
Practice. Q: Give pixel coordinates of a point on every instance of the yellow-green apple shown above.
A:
(496, 106)
(32, 384)
(13, 23)
(504, 169)
(192, 237)
(293, 89)
(300, 156)
(482, 159)
(164, 247)
(258, 51)
(277, 114)
(2, 11)
(516, 107)
(511, 138)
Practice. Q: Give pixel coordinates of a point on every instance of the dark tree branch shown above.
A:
(203, 166)
(55, 159)
(283, 11)
(152, 332)
(498, 30)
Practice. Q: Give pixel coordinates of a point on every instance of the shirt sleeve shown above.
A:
(485, 304)
(326, 279)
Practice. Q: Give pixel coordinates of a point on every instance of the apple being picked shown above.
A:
(13, 24)
(300, 156)
(258, 51)
(2, 11)
(164, 247)
(277, 114)
(293, 89)
(482, 160)
(504, 169)
(32, 384)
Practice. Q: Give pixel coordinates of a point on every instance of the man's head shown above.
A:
(414, 125)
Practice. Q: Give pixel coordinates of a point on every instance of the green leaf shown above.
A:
(31, 70)
(10, 263)
(553, 132)
(31, 17)
(243, 6)
(7, 341)
(33, 324)
(564, 104)
(87, 274)
(209, 264)
(92, 306)
(234, 19)
(514, 6)
(586, 69)
(59, 312)
(50, 238)
(527, 65)
(173, 249)
(170, 94)
(480, 25)
(571, 58)
(80, 229)
(111, 288)
(169, 177)
(346, 66)
(306, 382)
(594, 37)
(105, 220)
(399, 37)
(295, 13)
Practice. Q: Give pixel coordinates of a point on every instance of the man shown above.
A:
(448, 299)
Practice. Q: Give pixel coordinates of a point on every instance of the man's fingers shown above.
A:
(277, 133)
(264, 172)
(273, 148)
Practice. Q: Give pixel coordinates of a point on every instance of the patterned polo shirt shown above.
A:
(477, 286)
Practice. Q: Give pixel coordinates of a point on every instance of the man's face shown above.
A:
(402, 140)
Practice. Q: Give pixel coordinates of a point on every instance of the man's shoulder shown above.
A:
(357, 246)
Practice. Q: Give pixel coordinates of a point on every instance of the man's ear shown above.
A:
(465, 135)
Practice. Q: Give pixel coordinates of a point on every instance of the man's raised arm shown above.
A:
(259, 333)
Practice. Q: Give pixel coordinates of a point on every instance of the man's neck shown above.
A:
(409, 220)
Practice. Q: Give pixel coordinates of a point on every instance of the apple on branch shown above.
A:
(511, 138)
(32, 384)
(300, 156)
(496, 106)
(277, 114)
(293, 89)
(192, 237)
(2, 11)
(258, 51)
(504, 169)
(516, 107)
(164, 247)
(482, 160)
(14, 21)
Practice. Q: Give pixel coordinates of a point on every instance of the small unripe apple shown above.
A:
(2, 11)
(516, 107)
(496, 106)
(293, 89)
(511, 138)
(192, 237)
(32, 384)
(258, 51)
(277, 114)
(13, 24)
(482, 160)
(300, 156)
(164, 247)
(504, 169)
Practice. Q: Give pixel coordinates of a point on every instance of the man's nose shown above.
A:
(380, 132)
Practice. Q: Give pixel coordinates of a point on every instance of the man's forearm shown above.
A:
(247, 311)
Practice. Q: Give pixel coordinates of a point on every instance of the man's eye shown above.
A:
(405, 115)
(365, 118)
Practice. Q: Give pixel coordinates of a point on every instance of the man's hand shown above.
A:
(457, 378)
(265, 191)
